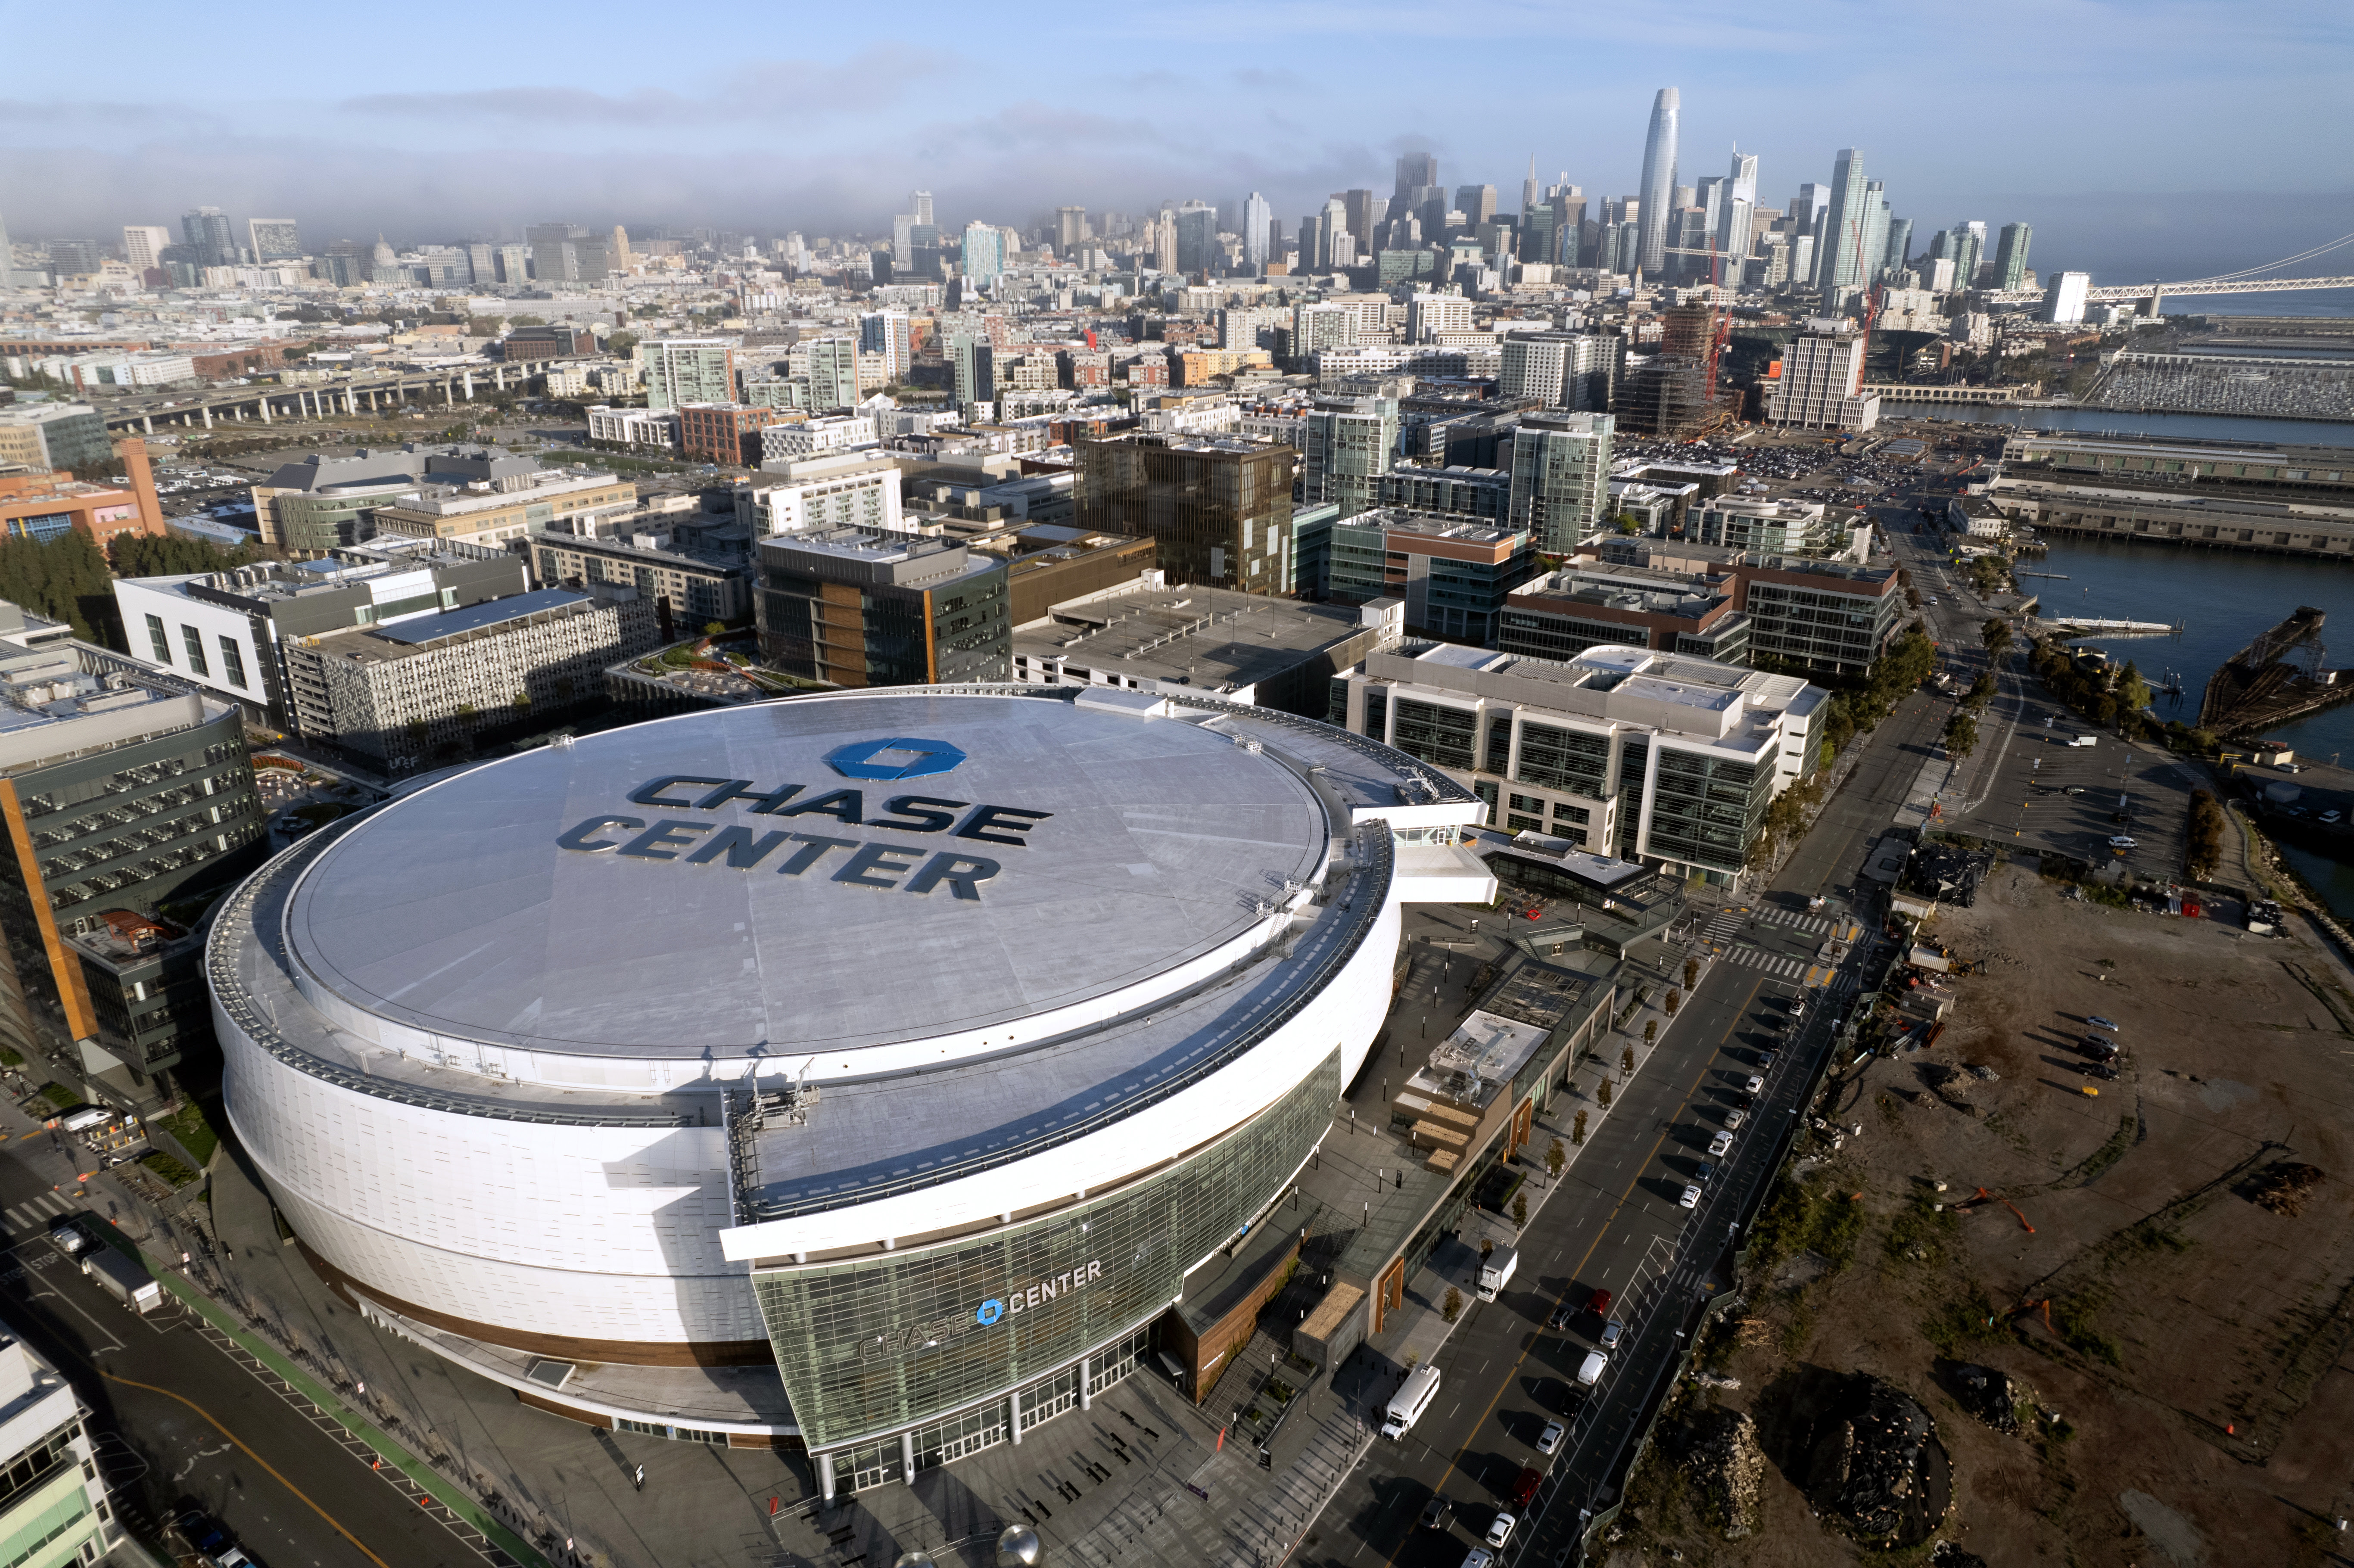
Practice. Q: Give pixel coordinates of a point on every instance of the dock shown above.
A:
(2081, 626)
(2279, 677)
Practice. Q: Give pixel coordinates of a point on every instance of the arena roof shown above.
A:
(1123, 846)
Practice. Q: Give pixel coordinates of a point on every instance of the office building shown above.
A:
(207, 232)
(695, 571)
(1453, 574)
(314, 506)
(1197, 238)
(847, 490)
(226, 632)
(856, 607)
(791, 442)
(1346, 445)
(1821, 384)
(678, 371)
(1658, 193)
(1141, 635)
(1440, 318)
(1646, 756)
(453, 1202)
(1561, 478)
(727, 433)
(43, 505)
(59, 436)
(273, 239)
(1838, 246)
(494, 513)
(143, 245)
(2010, 256)
(1562, 614)
(409, 692)
(1481, 494)
(652, 431)
(1219, 507)
(1824, 618)
(56, 1510)
(123, 790)
(1775, 527)
(524, 345)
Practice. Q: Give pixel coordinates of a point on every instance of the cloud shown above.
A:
(565, 104)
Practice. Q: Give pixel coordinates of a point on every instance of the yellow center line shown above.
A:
(1522, 1360)
(257, 1459)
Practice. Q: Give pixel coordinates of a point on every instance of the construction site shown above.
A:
(2067, 1277)
(2281, 675)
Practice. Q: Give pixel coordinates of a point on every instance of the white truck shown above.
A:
(1412, 1399)
(1496, 1271)
(122, 1278)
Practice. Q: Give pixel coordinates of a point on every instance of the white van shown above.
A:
(1591, 1372)
(2085, 740)
(1421, 1387)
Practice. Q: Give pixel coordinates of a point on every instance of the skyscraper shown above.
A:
(1529, 185)
(919, 206)
(1733, 221)
(1415, 170)
(2010, 256)
(1362, 218)
(1969, 250)
(1197, 237)
(1070, 227)
(272, 240)
(1899, 245)
(205, 229)
(1875, 233)
(1838, 256)
(143, 245)
(1807, 212)
(1259, 220)
(1476, 203)
(1657, 194)
(985, 252)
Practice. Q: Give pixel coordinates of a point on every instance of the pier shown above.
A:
(2081, 626)
(2278, 677)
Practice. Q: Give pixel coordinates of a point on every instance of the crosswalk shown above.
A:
(1771, 963)
(1723, 929)
(1813, 925)
(38, 1211)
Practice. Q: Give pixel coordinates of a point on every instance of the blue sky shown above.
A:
(2139, 138)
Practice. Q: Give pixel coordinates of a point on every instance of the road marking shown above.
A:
(257, 1459)
(1690, 1090)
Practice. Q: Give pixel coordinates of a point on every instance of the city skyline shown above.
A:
(497, 143)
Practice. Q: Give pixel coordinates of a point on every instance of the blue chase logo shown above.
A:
(897, 757)
(990, 1312)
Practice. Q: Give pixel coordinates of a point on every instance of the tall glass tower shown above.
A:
(1839, 258)
(1657, 194)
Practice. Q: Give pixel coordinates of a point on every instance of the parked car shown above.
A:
(1549, 1440)
(2332, 817)
(1524, 1489)
(1735, 1117)
(1766, 1060)
(1704, 1172)
(2100, 1070)
(1500, 1529)
(1755, 1086)
(1561, 1316)
(1797, 1006)
(1479, 1557)
(1612, 1332)
(2124, 842)
(1691, 1200)
(1720, 1146)
(1437, 1514)
(2098, 1021)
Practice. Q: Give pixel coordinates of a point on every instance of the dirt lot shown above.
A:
(2190, 1397)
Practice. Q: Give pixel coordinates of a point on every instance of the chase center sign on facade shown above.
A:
(915, 1042)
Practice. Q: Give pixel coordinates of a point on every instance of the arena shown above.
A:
(866, 1069)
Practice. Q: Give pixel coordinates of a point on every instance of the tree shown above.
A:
(1556, 1157)
(1961, 734)
(1602, 1092)
(1626, 1059)
(1521, 1209)
(1452, 1306)
(1487, 1247)
(1995, 635)
(1691, 966)
(1675, 999)
(1577, 1129)
(1650, 1030)
(622, 344)
(2133, 692)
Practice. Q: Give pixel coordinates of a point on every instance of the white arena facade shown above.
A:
(866, 1069)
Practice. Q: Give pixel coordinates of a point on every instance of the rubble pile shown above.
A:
(1727, 1466)
(1878, 1471)
(2284, 1186)
(1991, 1396)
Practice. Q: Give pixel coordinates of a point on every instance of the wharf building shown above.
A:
(124, 793)
(227, 633)
(691, 1165)
(2238, 495)
(1660, 759)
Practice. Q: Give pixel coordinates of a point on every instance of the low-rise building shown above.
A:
(849, 489)
(1768, 527)
(798, 441)
(56, 1510)
(43, 436)
(1642, 756)
(1977, 516)
(1453, 574)
(1825, 618)
(43, 506)
(654, 430)
(1562, 614)
(857, 606)
(494, 515)
(406, 693)
(1144, 636)
(693, 575)
(727, 432)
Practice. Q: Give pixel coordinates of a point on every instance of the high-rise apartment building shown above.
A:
(888, 335)
(680, 370)
(273, 239)
(2010, 256)
(1657, 194)
(1219, 507)
(1070, 230)
(208, 231)
(143, 245)
(1561, 478)
(1259, 227)
(1346, 445)
(974, 361)
(1821, 384)
(1840, 254)
(1197, 238)
(2064, 297)
(1568, 370)
(985, 252)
